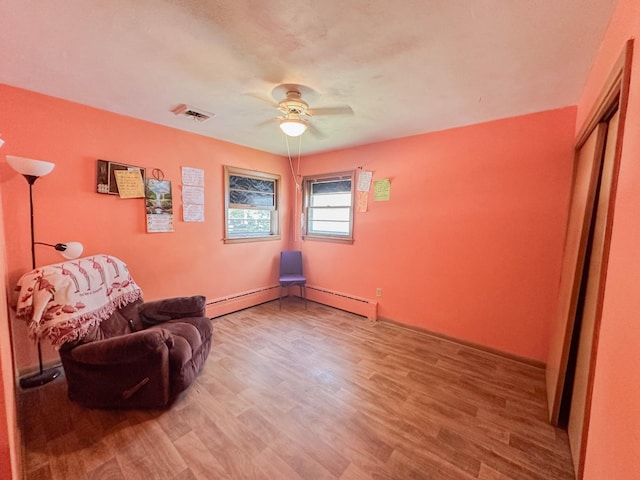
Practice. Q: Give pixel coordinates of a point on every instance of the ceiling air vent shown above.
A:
(194, 114)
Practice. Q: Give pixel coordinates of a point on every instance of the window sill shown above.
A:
(251, 239)
(348, 241)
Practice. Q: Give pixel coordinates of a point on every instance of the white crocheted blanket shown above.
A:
(63, 301)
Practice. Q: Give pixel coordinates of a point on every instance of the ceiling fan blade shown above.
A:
(269, 121)
(344, 110)
(313, 130)
(262, 98)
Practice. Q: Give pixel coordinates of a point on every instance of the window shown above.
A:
(251, 205)
(328, 207)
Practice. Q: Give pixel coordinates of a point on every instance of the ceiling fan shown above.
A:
(296, 112)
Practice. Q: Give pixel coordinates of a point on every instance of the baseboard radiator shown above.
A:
(239, 301)
(343, 301)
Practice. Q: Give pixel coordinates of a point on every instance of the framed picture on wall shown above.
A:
(106, 178)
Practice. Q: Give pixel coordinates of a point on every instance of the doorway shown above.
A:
(574, 346)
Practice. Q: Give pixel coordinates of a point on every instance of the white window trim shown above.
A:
(306, 182)
(275, 217)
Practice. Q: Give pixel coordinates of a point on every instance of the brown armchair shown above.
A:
(144, 355)
(117, 351)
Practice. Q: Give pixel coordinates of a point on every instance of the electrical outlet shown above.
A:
(378, 292)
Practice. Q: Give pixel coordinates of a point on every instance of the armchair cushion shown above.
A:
(123, 321)
(126, 347)
(160, 311)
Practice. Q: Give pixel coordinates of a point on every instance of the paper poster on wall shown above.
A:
(363, 198)
(193, 176)
(382, 190)
(364, 181)
(192, 194)
(193, 213)
(159, 204)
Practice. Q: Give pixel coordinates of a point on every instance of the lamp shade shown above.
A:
(30, 166)
(73, 250)
(293, 127)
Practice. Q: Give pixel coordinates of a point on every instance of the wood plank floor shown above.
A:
(313, 394)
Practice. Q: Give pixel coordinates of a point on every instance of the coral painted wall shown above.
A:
(471, 241)
(614, 432)
(9, 438)
(191, 260)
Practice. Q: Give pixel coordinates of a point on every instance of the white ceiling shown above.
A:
(405, 67)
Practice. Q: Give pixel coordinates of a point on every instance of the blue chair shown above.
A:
(291, 273)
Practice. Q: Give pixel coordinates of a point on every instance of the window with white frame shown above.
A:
(251, 205)
(328, 206)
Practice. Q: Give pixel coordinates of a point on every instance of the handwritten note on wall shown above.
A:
(193, 176)
(192, 194)
(129, 183)
(363, 198)
(364, 181)
(382, 190)
(362, 190)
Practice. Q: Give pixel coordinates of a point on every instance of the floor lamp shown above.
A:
(32, 170)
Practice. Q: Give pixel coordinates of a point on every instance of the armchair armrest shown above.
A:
(122, 349)
(159, 311)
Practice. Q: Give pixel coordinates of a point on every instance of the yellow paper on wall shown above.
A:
(382, 190)
(129, 183)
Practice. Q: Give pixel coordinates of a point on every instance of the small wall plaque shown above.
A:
(106, 178)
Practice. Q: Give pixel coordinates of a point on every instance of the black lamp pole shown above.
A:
(31, 179)
(43, 376)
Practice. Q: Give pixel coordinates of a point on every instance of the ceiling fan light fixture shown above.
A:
(293, 127)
